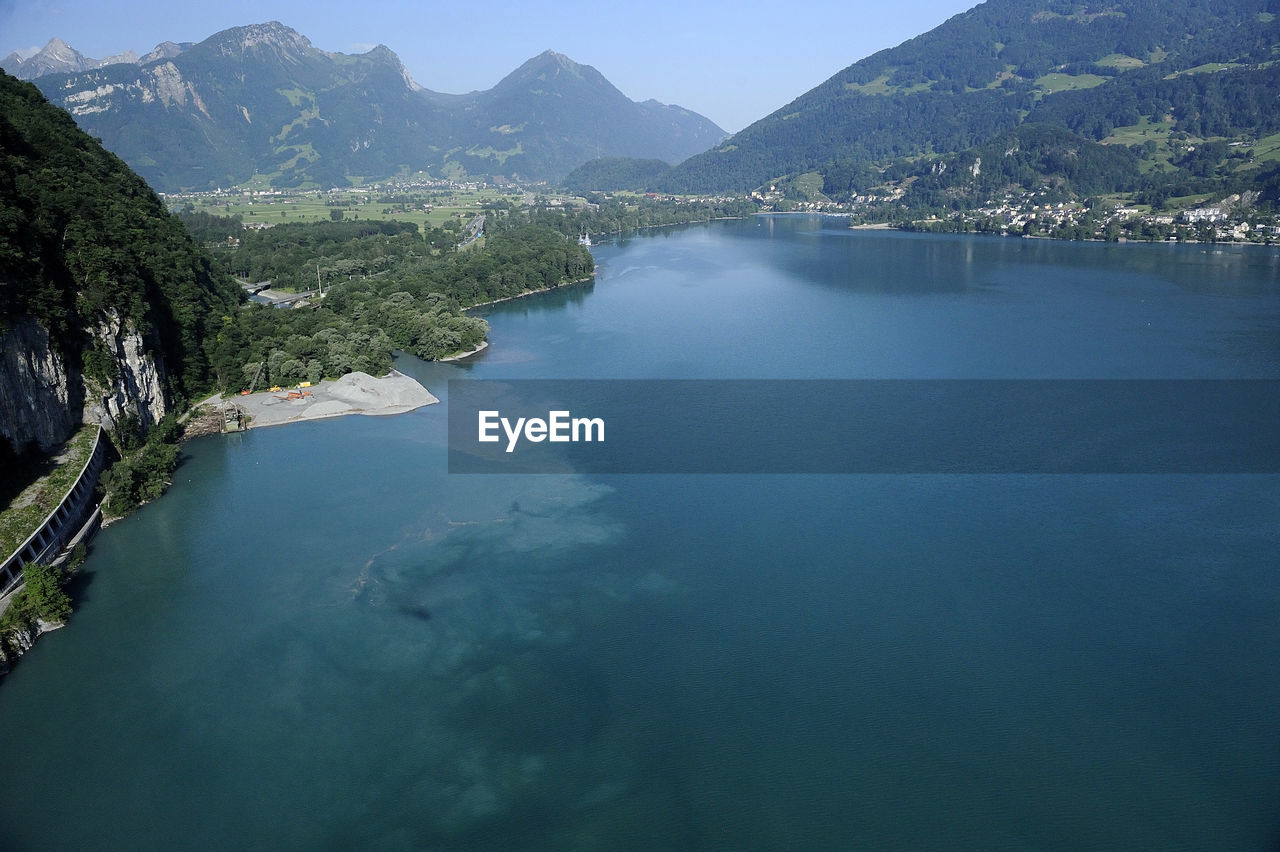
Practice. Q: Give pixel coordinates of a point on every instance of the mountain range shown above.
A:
(58, 57)
(1149, 98)
(262, 102)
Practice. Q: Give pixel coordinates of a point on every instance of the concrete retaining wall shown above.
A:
(64, 522)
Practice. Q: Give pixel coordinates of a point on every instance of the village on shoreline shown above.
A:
(1233, 219)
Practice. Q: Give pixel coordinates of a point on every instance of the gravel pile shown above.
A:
(354, 393)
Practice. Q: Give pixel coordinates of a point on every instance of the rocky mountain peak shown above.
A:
(558, 58)
(550, 66)
(56, 57)
(165, 50)
(384, 54)
(271, 36)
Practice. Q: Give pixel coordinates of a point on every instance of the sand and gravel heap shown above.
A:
(354, 393)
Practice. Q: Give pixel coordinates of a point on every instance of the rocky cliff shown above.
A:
(45, 398)
(41, 401)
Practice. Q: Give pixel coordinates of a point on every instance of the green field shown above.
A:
(388, 205)
(1267, 149)
(1051, 83)
(880, 86)
(809, 185)
(1207, 68)
(1145, 130)
(1121, 61)
(1180, 202)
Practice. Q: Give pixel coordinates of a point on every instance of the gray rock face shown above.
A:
(56, 57)
(37, 402)
(42, 401)
(165, 50)
(139, 382)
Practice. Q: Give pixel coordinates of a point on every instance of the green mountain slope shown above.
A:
(615, 173)
(1031, 156)
(106, 305)
(552, 114)
(262, 101)
(1201, 67)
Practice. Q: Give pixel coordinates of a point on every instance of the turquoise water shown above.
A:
(320, 639)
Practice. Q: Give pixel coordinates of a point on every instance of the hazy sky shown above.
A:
(734, 62)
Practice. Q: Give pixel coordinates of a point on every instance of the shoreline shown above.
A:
(484, 344)
(839, 213)
(520, 296)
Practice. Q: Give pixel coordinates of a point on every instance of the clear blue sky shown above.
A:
(734, 61)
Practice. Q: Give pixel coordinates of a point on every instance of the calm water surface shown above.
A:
(320, 639)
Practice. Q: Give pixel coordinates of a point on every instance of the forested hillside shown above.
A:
(1156, 77)
(85, 243)
(615, 173)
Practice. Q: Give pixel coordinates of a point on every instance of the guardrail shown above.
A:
(60, 524)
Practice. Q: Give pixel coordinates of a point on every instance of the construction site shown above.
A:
(354, 393)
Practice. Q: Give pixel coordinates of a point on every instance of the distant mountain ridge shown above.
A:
(262, 101)
(1172, 73)
(58, 57)
(551, 102)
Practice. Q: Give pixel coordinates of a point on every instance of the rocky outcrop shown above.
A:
(38, 397)
(43, 399)
(19, 641)
(139, 383)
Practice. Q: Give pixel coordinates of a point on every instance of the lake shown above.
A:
(320, 638)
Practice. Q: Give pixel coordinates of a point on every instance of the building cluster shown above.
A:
(1227, 222)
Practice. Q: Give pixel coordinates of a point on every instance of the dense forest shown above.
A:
(385, 290)
(615, 173)
(606, 215)
(1201, 104)
(90, 254)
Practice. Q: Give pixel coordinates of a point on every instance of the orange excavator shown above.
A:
(296, 393)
